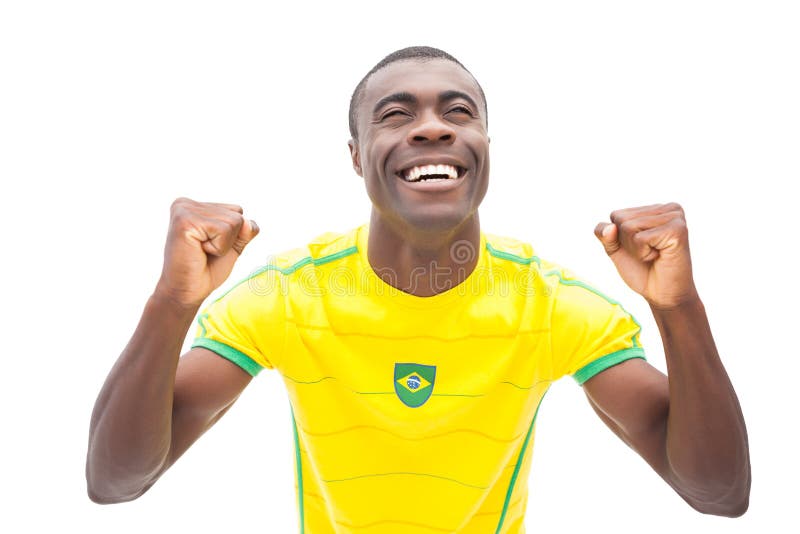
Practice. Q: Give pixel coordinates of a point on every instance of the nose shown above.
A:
(431, 129)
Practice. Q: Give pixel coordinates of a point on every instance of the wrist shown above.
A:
(690, 309)
(167, 301)
(688, 301)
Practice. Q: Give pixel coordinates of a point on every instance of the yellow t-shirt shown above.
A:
(415, 414)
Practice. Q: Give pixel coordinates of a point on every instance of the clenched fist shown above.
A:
(649, 246)
(203, 243)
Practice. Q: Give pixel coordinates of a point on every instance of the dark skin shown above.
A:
(687, 426)
(153, 405)
(434, 116)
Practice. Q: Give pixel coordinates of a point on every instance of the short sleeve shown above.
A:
(247, 324)
(590, 331)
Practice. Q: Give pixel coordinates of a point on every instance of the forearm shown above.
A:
(706, 443)
(130, 431)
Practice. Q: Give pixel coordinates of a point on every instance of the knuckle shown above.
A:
(680, 224)
(674, 206)
(178, 214)
(221, 226)
(182, 222)
(182, 209)
(179, 202)
(232, 222)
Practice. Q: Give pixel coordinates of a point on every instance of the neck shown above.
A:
(419, 262)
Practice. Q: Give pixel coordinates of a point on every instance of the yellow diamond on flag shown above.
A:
(413, 382)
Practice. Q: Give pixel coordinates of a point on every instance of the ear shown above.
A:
(355, 156)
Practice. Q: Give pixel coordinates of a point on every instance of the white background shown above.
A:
(109, 110)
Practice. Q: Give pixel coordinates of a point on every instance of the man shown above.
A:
(416, 349)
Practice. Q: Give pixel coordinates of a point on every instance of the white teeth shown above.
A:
(414, 174)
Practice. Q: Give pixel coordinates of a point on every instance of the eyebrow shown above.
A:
(402, 97)
(454, 95)
(405, 97)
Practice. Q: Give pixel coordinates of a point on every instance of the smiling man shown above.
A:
(416, 349)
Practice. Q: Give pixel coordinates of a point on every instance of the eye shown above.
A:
(461, 109)
(392, 113)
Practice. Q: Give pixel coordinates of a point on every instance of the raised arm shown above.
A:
(688, 425)
(153, 404)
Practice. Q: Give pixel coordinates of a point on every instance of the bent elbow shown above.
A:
(721, 496)
(103, 488)
(732, 510)
(732, 503)
(109, 482)
(100, 498)
(740, 509)
(740, 506)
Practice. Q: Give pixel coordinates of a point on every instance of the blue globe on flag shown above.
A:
(413, 382)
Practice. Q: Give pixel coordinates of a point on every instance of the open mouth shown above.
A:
(432, 173)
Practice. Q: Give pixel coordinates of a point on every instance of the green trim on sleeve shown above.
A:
(609, 360)
(202, 325)
(229, 353)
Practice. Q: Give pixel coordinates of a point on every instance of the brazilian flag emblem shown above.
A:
(413, 383)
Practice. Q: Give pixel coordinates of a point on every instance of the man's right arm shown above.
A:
(155, 404)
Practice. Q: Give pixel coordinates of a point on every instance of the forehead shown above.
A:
(419, 78)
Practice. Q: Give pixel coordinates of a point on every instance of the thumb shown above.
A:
(607, 234)
(246, 234)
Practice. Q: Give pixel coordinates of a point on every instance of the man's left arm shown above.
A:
(688, 425)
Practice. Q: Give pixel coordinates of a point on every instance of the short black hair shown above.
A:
(422, 53)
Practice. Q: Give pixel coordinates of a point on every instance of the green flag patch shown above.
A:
(413, 383)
